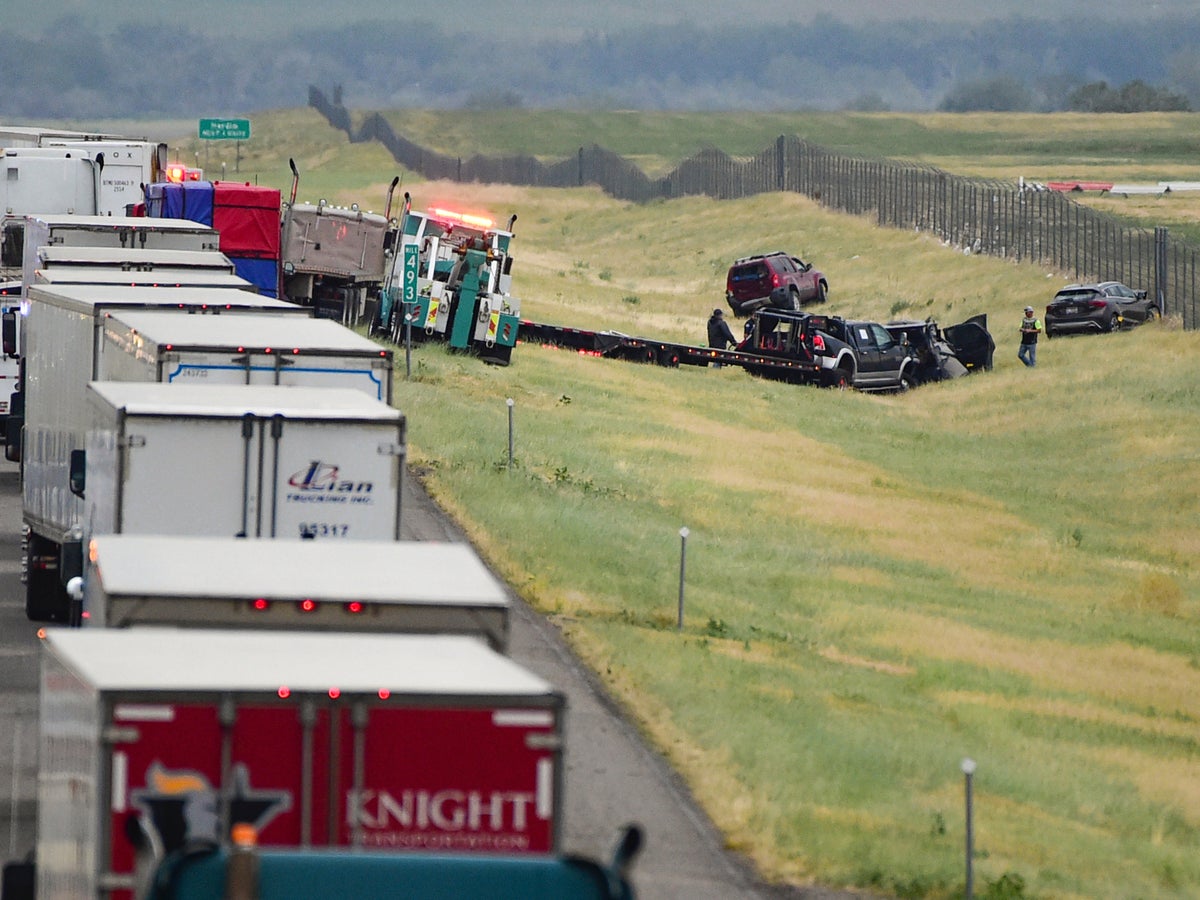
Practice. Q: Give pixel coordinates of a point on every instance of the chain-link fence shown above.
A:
(991, 217)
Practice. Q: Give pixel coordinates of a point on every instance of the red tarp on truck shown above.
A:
(245, 215)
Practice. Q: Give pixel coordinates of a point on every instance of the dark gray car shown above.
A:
(1100, 307)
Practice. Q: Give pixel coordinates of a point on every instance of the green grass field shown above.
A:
(1000, 567)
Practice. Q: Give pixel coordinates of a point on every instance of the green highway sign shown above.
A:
(224, 129)
(411, 262)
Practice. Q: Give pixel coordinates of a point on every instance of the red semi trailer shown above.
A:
(153, 739)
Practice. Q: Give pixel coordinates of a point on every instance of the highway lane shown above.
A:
(612, 777)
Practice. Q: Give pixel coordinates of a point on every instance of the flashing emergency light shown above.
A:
(384, 693)
(334, 693)
(177, 173)
(308, 604)
(284, 692)
(260, 604)
(465, 218)
(355, 606)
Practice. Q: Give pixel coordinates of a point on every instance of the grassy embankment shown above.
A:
(1000, 567)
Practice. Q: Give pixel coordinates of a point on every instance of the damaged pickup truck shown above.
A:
(950, 352)
(868, 355)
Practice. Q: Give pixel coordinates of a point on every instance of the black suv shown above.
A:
(777, 279)
(1103, 306)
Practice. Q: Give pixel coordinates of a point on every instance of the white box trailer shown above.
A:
(149, 345)
(427, 587)
(31, 232)
(43, 135)
(64, 331)
(27, 237)
(36, 180)
(277, 462)
(59, 265)
(121, 167)
(84, 178)
(372, 742)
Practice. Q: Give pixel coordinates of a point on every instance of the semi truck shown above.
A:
(245, 215)
(278, 462)
(334, 259)
(155, 739)
(451, 280)
(101, 177)
(240, 872)
(64, 332)
(41, 248)
(414, 587)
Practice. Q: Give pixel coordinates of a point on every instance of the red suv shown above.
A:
(773, 279)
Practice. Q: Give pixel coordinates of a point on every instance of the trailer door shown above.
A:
(165, 777)
(197, 476)
(332, 480)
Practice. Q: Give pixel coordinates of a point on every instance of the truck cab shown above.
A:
(452, 278)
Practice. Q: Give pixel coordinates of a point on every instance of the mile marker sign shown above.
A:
(224, 129)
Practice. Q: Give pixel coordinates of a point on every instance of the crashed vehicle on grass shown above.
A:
(867, 355)
(947, 353)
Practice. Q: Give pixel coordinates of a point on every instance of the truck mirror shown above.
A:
(78, 472)
(8, 333)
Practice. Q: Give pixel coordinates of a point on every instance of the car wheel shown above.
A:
(794, 300)
(822, 292)
(1114, 323)
(841, 379)
(1152, 313)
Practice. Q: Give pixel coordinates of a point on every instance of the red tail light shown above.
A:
(307, 605)
(818, 343)
(1097, 304)
(775, 282)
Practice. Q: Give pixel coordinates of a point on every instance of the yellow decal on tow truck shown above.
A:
(434, 306)
(493, 327)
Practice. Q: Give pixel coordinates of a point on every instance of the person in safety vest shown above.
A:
(1031, 327)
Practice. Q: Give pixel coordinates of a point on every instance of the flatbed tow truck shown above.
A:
(759, 354)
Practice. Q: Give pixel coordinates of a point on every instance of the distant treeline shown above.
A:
(1011, 64)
